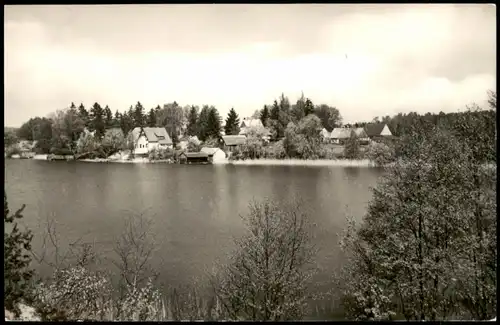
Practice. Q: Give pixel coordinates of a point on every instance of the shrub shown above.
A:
(12, 150)
(351, 147)
(17, 273)
(75, 293)
(161, 154)
(380, 153)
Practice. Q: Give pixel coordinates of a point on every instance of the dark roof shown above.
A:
(374, 129)
(195, 154)
(234, 140)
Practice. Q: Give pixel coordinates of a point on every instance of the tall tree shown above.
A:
(256, 114)
(213, 124)
(308, 107)
(264, 115)
(151, 120)
(116, 119)
(171, 118)
(275, 111)
(232, 126)
(127, 122)
(192, 123)
(139, 116)
(203, 122)
(298, 110)
(108, 117)
(84, 115)
(98, 120)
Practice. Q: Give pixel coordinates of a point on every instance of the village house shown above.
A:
(325, 135)
(233, 141)
(214, 154)
(148, 139)
(377, 131)
(248, 124)
(340, 135)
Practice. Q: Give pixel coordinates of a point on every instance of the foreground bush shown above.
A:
(267, 276)
(17, 274)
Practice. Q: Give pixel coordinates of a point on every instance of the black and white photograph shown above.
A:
(250, 162)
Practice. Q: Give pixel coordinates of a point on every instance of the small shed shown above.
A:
(214, 154)
(193, 158)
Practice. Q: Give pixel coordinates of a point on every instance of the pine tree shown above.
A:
(108, 117)
(116, 119)
(84, 115)
(232, 126)
(309, 107)
(213, 124)
(275, 111)
(151, 120)
(72, 105)
(139, 115)
(264, 115)
(192, 124)
(98, 122)
(127, 122)
(17, 274)
(202, 124)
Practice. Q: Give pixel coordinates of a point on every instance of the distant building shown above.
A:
(214, 154)
(233, 141)
(193, 158)
(377, 131)
(148, 139)
(325, 135)
(339, 135)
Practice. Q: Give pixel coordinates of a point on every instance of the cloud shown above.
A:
(407, 58)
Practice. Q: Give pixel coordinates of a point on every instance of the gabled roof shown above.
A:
(360, 132)
(209, 151)
(251, 122)
(159, 135)
(374, 129)
(234, 140)
(340, 133)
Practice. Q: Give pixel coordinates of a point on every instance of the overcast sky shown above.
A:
(367, 60)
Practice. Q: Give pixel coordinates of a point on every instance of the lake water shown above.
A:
(195, 209)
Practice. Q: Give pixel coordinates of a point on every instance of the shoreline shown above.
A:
(306, 162)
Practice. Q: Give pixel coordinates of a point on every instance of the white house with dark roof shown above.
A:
(148, 139)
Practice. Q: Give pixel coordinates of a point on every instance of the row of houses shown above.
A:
(147, 139)
(371, 132)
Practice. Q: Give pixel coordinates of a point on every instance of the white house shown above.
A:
(214, 154)
(248, 123)
(148, 139)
